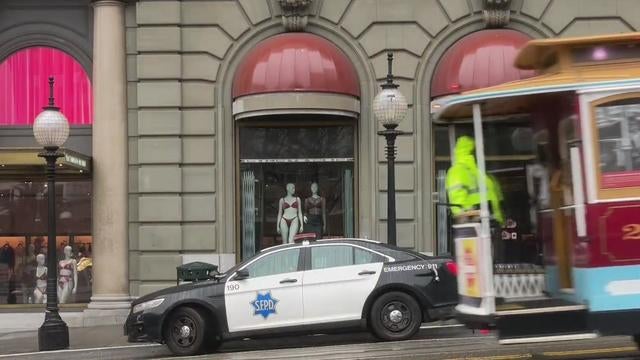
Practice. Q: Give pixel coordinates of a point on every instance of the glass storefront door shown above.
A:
(295, 183)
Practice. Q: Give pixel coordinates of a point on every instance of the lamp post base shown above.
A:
(53, 334)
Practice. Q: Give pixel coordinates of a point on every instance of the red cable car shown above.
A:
(584, 104)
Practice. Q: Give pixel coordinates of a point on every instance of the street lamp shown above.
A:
(51, 130)
(390, 107)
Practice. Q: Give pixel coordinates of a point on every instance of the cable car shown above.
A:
(584, 106)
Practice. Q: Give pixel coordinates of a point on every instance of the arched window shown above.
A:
(296, 104)
(24, 88)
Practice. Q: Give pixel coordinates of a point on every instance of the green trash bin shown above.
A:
(195, 271)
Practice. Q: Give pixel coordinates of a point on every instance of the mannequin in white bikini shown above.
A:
(40, 292)
(289, 221)
(67, 276)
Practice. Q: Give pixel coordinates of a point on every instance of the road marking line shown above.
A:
(440, 326)
(589, 351)
(78, 350)
(434, 339)
(542, 310)
(547, 338)
(497, 357)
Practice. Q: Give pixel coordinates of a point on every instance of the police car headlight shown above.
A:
(147, 305)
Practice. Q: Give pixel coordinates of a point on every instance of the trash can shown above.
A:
(195, 271)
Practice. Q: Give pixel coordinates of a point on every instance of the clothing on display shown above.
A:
(289, 210)
(67, 276)
(314, 207)
(289, 221)
(26, 281)
(66, 270)
(7, 278)
(286, 205)
(8, 255)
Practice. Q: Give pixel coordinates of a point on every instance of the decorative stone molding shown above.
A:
(294, 14)
(496, 12)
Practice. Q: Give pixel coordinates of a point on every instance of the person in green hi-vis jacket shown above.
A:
(464, 192)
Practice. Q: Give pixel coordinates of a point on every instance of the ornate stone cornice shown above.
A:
(294, 14)
(496, 12)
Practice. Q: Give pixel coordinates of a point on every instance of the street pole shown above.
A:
(390, 134)
(54, 333)
(390, 107)
(51, 130)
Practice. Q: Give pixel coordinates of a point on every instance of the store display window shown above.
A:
(23, 241)
(296, 182)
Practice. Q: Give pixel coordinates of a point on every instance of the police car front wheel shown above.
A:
(186, 332)
(395, 316)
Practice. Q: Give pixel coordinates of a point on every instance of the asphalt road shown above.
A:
(445, 343)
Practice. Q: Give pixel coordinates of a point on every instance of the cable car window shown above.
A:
(617, 125)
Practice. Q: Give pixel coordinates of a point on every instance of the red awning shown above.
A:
(481, 59)
(295, 62)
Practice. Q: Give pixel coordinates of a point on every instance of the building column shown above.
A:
(110, 206)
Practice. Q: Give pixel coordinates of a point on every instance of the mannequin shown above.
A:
(67, 276)
(40, 292)
(29, 274)
(289, 221)
(316, 212)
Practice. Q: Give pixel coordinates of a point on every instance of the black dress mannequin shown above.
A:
(316, 218)
(7, 264)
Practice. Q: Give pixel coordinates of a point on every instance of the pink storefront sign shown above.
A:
(24, 87)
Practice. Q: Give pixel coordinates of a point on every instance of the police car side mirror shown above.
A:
(242, 274)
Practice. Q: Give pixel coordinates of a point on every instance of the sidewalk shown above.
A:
(22, 319)
(97, 337)
(88, 337)
(31, 321)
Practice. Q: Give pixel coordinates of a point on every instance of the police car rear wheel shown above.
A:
(186, 332)
(395, 316)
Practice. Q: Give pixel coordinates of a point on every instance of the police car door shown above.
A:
(338, 282)
(271, 296)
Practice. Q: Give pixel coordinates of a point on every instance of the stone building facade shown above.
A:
(165, 163)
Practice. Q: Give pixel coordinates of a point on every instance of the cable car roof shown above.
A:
(564, 74)
(535, 52)
(516, 97)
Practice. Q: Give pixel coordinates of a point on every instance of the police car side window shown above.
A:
(366, 257)
(323, 257)
(280, 262)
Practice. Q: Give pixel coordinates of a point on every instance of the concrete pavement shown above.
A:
(449, 342)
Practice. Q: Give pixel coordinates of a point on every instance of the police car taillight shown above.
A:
(453, 268)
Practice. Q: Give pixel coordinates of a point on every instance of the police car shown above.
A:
(310, 287)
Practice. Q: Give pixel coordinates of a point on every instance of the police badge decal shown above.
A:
(264, 304)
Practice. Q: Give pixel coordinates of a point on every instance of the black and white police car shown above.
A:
(310, 287)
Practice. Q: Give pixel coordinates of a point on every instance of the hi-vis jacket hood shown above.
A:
(464, 153)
